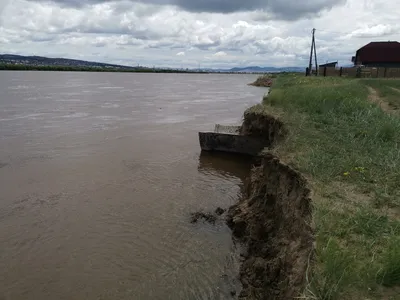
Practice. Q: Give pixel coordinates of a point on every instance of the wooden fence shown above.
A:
(362, 72)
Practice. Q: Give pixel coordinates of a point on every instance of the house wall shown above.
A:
(376, 58)
(381, 65)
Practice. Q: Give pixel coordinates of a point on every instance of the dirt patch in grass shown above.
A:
(388, 90)
(395, 89)
(375, 98)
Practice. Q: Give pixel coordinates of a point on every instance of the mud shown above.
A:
(207, 216)
(273, 222)
(263, 81)
(264, 127)
(220, 211)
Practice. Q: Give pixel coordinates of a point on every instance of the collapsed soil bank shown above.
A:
(273, 221)
(263, 81)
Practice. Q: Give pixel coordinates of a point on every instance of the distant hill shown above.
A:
(46, 61)
(40, 61)
(255, 69)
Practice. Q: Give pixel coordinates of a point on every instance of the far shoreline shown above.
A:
(90, 69)
(112, 70)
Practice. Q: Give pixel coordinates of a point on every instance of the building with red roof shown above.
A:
(378, 54)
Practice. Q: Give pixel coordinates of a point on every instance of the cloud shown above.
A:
(220, 54)
(3, 5)
(153, 32)
(180, 54)
(379, 30)
(282, 9)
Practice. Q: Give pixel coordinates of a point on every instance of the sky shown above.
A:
(196, 33)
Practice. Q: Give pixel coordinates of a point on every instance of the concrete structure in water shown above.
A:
(229, 139)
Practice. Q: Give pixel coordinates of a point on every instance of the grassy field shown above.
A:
(349, 149)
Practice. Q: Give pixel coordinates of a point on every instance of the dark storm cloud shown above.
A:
(283, 9)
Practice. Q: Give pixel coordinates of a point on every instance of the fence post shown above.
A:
(358, 72)
(384, 74)
(341, 71)
(307, 71)
(324, 71)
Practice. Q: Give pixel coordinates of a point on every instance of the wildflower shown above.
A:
(360, 169)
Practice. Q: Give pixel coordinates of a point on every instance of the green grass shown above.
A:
(350, 151)
(335, 272)
(340, 134)
(389, 274)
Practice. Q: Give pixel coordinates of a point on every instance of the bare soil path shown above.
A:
(395, 89)
(374, 97)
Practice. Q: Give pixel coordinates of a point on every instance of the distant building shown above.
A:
(378, 54)
(329, 65)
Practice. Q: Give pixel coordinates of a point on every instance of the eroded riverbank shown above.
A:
(355, 195)
(272, 220)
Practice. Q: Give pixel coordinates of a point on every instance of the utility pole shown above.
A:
(311, 54)
(312, 47)
(315, 54)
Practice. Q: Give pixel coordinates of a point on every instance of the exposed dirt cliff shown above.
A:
(273, 221)
(264, 126)
(263, 81)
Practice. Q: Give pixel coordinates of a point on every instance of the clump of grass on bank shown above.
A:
(350, 151)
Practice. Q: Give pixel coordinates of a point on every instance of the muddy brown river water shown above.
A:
(98, 176)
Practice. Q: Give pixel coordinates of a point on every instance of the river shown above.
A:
(99, 173)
